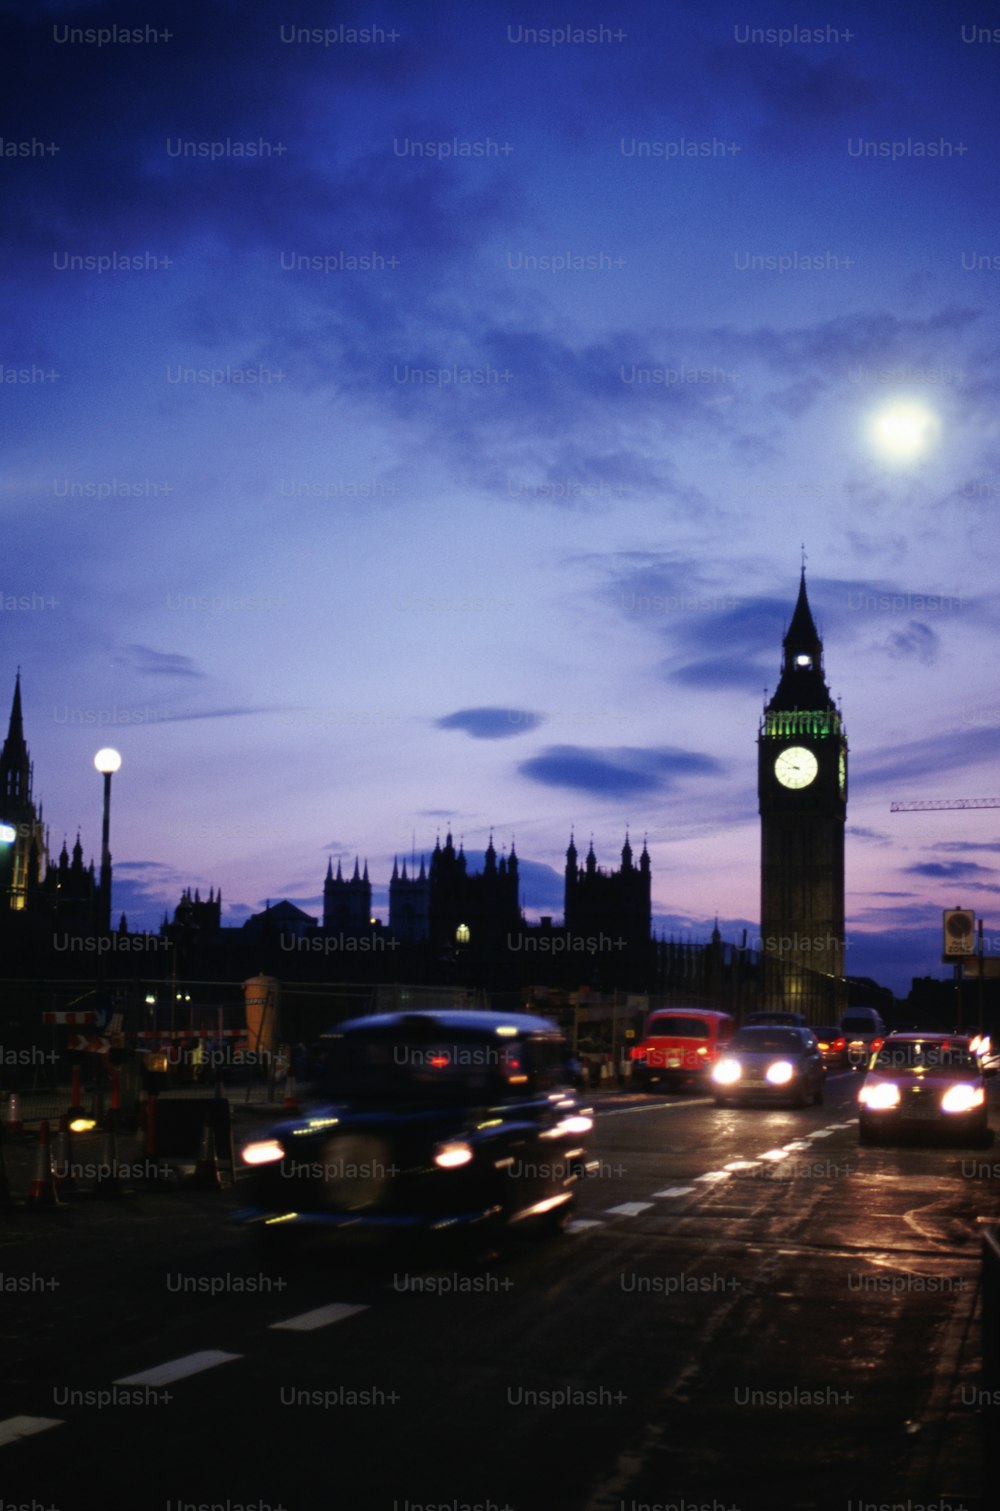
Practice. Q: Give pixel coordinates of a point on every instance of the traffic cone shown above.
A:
(12, 1122)
(291, 1098)
(62, 1168)
(205, 1176)
(43, 1190)
(107, 1182)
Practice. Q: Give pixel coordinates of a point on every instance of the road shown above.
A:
(749, 1311)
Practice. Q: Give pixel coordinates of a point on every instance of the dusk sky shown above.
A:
(413, 420)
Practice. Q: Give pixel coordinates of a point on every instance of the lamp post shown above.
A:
(107, 762)
(8, 839)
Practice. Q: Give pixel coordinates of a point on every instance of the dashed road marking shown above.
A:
(714, 1175)
(13, 1429)
(630, 1208)
(675, 1191)
(179, 1369)
(308, 1322)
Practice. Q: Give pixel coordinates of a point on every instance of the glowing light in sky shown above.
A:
(904, 431)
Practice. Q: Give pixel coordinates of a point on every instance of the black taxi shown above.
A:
(434, 1122)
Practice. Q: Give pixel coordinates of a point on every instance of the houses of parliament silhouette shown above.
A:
(450, 924)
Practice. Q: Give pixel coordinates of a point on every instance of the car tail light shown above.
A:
(838, 1045)
(876, 1045)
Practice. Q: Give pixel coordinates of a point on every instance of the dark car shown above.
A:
(832, 1046)
(778, 1018)
(919, 1083)
(433, 1122)
(865, 1032)
(764, 1063)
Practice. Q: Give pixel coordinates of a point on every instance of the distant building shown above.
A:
(477, 909)
(279, 920)
(409, 904)
(615, 902)
(347, 905)
(802, 788)
(24, 859)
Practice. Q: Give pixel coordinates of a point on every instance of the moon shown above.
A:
(904, 431)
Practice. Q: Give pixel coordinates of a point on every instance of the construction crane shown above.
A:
(931, 805)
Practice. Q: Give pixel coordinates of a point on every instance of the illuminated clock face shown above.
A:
(796, 767)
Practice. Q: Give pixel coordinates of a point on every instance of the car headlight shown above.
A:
(263, 1153)
(451, 1156)
(962, 1098)
(882, 1095)
(780, 1073)
(727, 1071)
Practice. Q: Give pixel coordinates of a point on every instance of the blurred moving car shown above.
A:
(920, 1083)
(862, 1027)
(429, 1122)
(680, 1046)
(764, 1063)
(832, 1046)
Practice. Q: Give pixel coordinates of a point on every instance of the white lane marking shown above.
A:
(675, 1191)
(13, 1429)
(617, 1112)
(798, 1143)
(775, 1154)
(630, 1208)
(820, 1133)
(179, 1369)
(742, 1164)
(307, 1322)
(714, 1175)
(577, 1224)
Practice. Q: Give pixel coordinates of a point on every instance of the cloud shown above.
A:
(490, 723)
(952, 870)
(144, 659)
(917, 640)
(621, 772)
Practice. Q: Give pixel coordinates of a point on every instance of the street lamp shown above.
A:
(107, 762)
(8, 836)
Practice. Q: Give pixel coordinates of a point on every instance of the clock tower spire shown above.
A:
(802, 790)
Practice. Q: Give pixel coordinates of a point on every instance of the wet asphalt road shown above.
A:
(749, 1311)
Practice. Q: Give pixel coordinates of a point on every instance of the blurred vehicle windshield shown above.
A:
(682, 1028)
(922, 1054)
(767, 1040)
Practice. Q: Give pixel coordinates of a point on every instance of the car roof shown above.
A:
(687, 1012)
(767, 1028)
(935, 1037)
(446, 1019)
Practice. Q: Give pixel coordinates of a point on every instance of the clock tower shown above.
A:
(802, 788)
